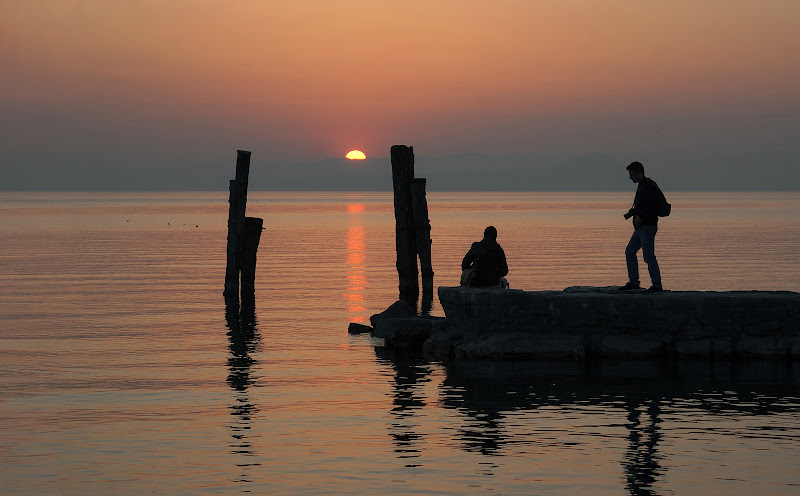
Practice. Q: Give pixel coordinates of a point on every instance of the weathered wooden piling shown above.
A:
(422, 227)
(243, 234)
(405, 239)
(250, 239)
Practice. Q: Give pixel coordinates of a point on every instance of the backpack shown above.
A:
(664, 208)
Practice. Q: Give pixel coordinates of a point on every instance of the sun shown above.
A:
(355, 155)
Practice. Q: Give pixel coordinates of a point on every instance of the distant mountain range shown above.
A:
(474, 172)
(455, 173)
(465, 172)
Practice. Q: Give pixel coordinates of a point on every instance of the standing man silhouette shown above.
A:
(645, 226)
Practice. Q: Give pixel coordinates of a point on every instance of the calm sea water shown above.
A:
(118, 374)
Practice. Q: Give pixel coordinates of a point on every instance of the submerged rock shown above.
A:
(356, 328)
(401, 328)
(397, 309)
(408, 332)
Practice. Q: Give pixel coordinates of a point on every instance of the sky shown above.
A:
(501, 94)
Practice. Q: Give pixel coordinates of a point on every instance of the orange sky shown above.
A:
(316, 78)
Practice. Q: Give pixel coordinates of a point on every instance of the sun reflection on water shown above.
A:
(356, 265)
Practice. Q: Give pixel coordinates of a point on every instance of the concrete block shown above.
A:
(631, 344)
(605, 321)
(751, 345)
(663, 311)
(582, 310)
(744, 310)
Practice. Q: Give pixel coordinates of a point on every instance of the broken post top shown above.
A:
(242, 165)
(402, 166)
(402, 153)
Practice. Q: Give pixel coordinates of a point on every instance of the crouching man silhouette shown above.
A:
(485, 262)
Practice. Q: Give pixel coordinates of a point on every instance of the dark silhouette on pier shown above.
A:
(648, 205)
(486, 261)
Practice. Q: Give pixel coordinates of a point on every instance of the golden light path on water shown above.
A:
(356, 258)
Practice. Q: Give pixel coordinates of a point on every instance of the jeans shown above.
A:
(644, 238)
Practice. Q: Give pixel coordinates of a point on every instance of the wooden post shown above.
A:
(236, 209)
(422, 226)
(405, 242)
(250, 239)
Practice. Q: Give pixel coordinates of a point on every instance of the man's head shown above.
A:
(636, 171)
(490, 233)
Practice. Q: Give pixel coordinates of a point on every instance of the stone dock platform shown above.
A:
(586, 322)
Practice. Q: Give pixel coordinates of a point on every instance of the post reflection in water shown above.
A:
(356, 265)
(484, 395)
(244, 340)
(411, 372)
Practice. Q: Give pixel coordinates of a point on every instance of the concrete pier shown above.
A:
(583, 322)
(586, 322)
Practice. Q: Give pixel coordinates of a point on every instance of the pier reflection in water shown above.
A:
(535, 409)
(244, 341)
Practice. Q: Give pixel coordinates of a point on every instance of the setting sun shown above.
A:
(355, 155)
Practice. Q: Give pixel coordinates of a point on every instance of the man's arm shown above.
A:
(502, 265)
(632, 211)
(468, 259)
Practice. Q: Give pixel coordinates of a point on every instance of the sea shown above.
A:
(121, 373)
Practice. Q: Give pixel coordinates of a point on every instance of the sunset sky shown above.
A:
(155, 94)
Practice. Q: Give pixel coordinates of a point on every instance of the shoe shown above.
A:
(655, 289)
(629, 285)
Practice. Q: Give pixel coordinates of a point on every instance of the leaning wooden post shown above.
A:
(250, 239)
(402, 175)
(236, 209)
(422, 226)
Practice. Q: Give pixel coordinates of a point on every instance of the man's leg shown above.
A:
(630, 257)
(648, 241)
